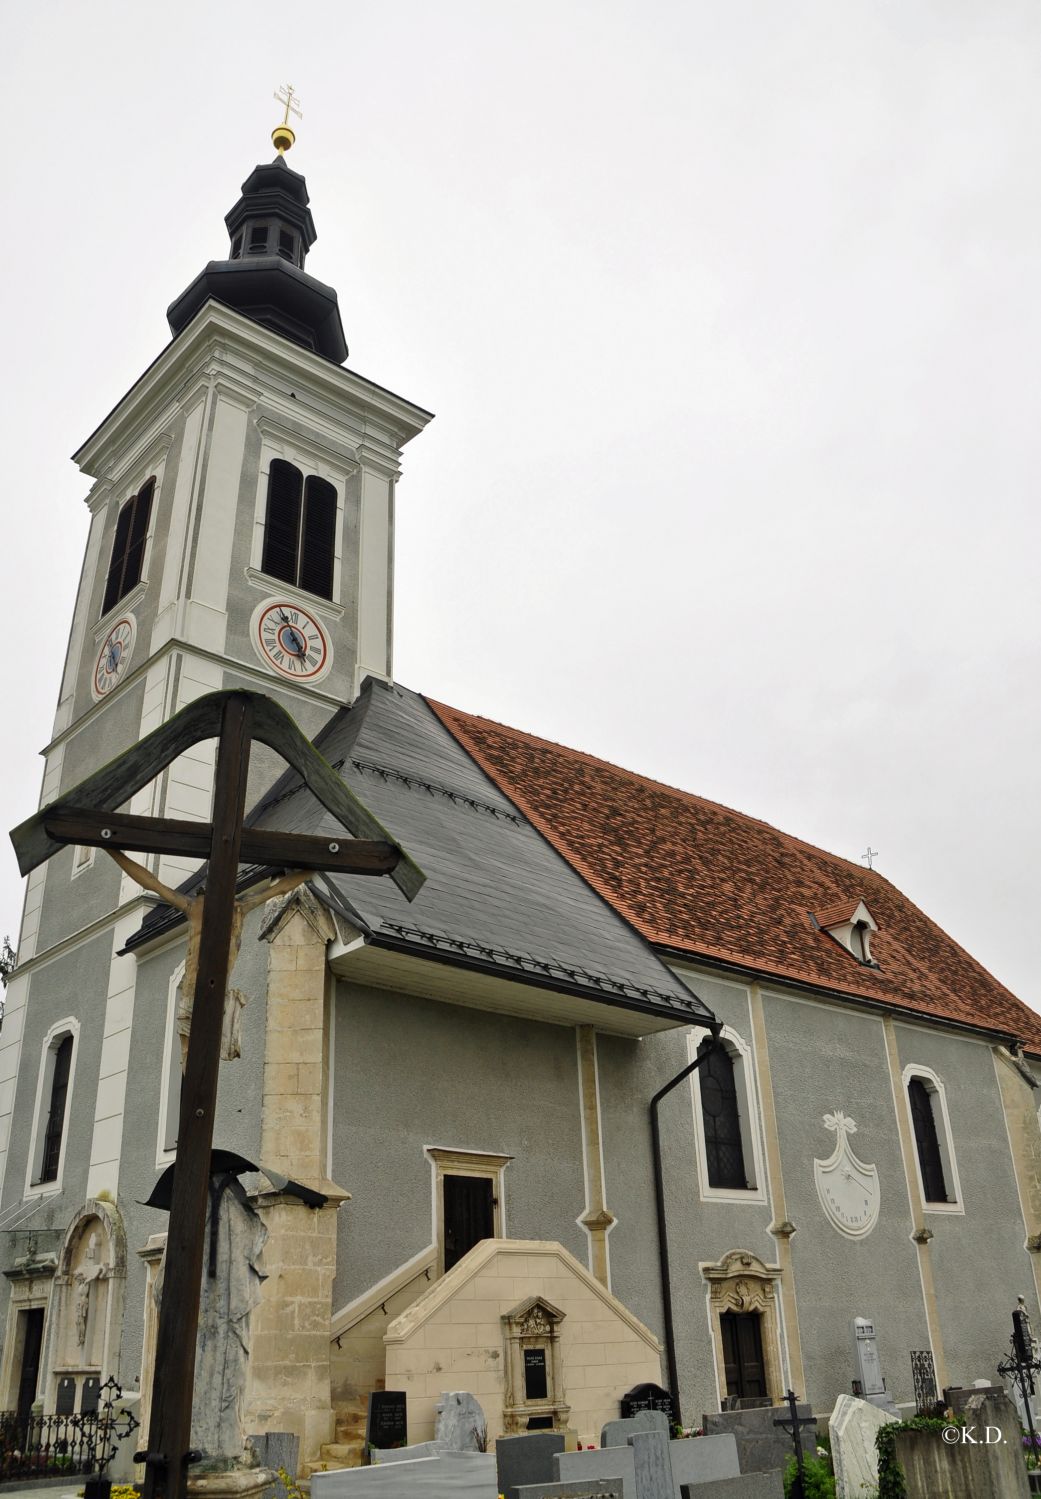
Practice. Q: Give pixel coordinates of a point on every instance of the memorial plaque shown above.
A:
(91, 1394)
(535, 1387)
(386, 1424)
(65, 1400)
(647, 1397)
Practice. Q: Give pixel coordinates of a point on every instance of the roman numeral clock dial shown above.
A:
(113, 661)
(290, 641)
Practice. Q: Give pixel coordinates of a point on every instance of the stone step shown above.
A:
(339, 1452)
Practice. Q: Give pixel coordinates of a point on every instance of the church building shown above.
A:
(527, 1191)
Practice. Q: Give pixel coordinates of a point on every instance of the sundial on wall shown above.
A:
(848, 1189)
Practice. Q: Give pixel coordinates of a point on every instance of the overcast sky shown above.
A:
(729, 316)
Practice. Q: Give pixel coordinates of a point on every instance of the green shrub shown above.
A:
(817, 1478)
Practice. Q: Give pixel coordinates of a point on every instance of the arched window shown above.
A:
(721, 1115)
(927, 1141)
(128, 547)
(300, 529)
(53, 1091)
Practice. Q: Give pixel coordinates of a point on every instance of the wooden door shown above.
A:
(469, 1215)
(743, 1354)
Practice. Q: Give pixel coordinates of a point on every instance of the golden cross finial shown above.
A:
(283, 136)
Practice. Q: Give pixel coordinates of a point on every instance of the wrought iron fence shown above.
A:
(923, 1372)
(39, 1446)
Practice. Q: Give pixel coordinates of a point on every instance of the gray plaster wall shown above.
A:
(55, 993)
(700, 1231)
(412, 1073)
(978, 1271)
(825, 1059)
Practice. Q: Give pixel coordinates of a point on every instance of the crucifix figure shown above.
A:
(192, 908)
(87, 815)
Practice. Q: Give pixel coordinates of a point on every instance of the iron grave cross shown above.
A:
(86, 815)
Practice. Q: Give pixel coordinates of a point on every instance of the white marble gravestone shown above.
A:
(852, 1427)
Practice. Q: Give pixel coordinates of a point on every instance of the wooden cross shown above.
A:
(793, 1424)
(85, 816)
(285, 96)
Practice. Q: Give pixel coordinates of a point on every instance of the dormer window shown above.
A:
(851, 924)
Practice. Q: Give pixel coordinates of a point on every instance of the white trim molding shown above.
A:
(937, 1090)
(165, 1153)
(742, 1055)
(69, 1026)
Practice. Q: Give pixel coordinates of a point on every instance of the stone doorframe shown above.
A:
(742, 1282)
(31, 1281)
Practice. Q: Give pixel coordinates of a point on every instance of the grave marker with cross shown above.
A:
(86, 815)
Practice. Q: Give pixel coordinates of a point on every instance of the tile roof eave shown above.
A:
(812, 984)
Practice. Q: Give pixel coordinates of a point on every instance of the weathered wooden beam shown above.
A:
(114, 784)
(170, 1422)
(166, 835)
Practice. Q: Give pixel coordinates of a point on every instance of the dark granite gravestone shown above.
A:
(535, 1387)
(91, 1395)
(526, 1459)
(761, 1446)
(387, 1423)
(648, 1397)
(65, 1400)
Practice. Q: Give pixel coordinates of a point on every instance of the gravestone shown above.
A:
(387, 1422)
(527, 1459)
(404, 1454)
(852, 1427)
(617, 1433)
(65, 1401)
(598, 1464)
(648, 1397)
(449, 1475)
(761, 1446)
(748, 1486)
(460, 1425)
(693, 1460)
(275, 1450)
(869, 1366)
(653, 1463)
(603, 1488)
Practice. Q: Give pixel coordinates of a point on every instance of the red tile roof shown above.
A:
(840, 913)
(711, 883)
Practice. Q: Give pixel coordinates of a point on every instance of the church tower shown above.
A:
(241, 535)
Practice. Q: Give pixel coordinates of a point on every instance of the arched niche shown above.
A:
(87, 1306)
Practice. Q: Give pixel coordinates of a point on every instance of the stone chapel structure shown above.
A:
(470, 1082)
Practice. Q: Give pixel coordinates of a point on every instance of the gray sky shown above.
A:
(729, 316)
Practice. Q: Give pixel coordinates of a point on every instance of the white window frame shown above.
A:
(171, 1040)
(133, 596)
(82, 859)
(446, 1162)
(70, 1026)
(311, 465)
(937, 1090)
(749, 1112)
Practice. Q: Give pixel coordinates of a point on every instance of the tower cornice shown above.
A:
(222, 338)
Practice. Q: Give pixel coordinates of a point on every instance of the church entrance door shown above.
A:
(32, 1342)
(469, 1214)
(743, 1354)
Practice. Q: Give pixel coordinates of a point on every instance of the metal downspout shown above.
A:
(659, 1198)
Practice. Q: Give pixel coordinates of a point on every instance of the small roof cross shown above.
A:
(870, 854)
(285, 96)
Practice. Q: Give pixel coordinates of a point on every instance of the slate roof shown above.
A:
(712, 884)
(497, 896)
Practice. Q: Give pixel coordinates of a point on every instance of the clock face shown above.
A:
(113, 661)
(291, 641)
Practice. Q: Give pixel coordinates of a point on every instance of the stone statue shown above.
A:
(226, 1303)
(85, 1277)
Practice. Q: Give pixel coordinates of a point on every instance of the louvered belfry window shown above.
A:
(128, 548)
(927, 1141)
(300, 529)
(722, 1120)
